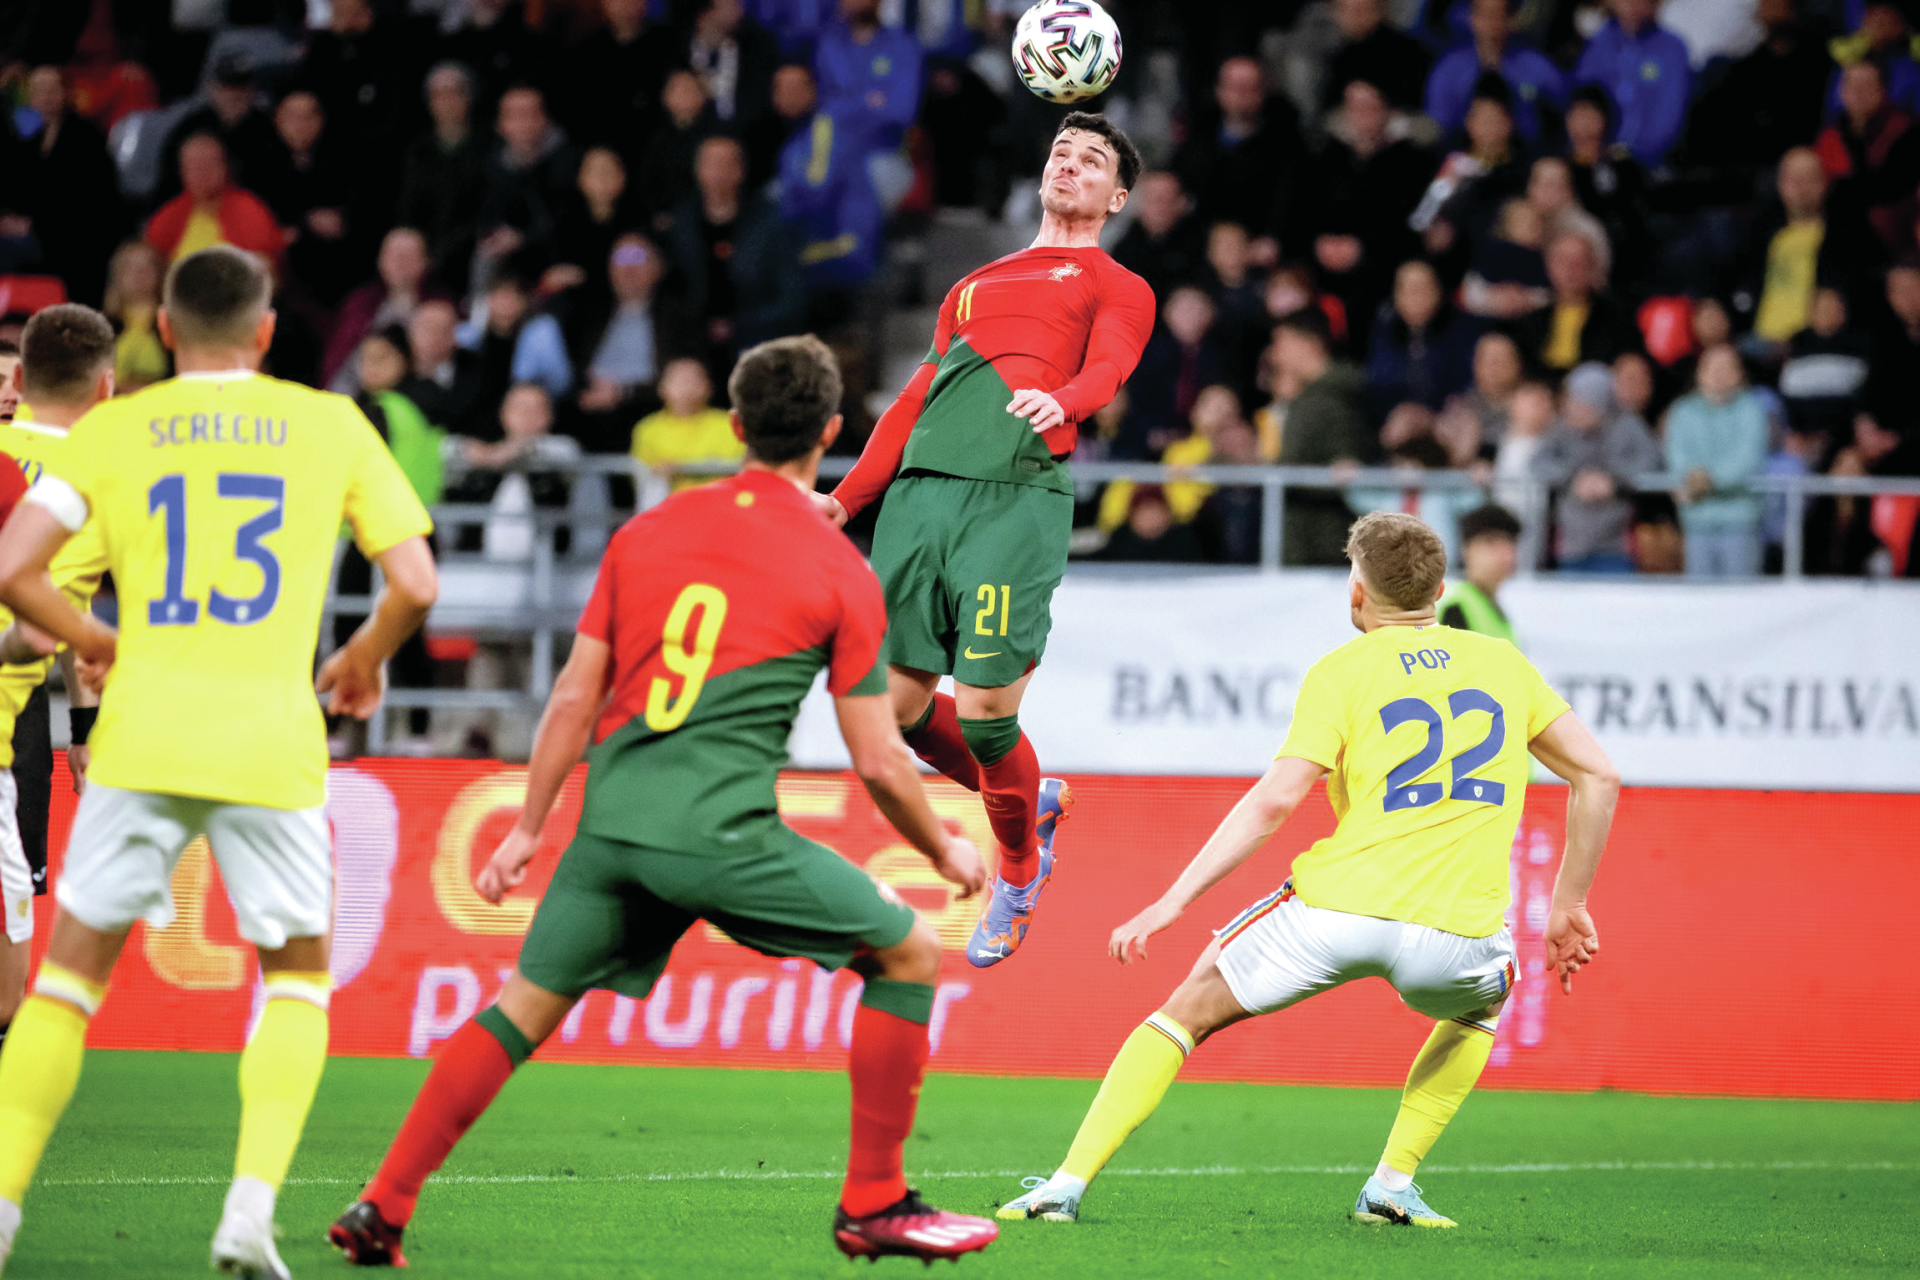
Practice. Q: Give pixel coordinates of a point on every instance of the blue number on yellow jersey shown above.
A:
(1424, 731)
(218, 499)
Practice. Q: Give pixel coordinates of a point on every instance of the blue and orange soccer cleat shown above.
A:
(1002, 926)
(911, 1228)
(1396, 1208)
(367, 1239)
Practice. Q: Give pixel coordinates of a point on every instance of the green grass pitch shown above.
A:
(618, 1171)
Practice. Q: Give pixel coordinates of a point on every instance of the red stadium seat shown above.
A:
(1667, 326)
(24, 295)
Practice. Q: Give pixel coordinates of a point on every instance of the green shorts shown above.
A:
(969, 568)
(614, 910)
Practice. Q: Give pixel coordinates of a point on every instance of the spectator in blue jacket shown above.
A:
(1646, 70)
(827, 198)
(1539, 88)
(1717, 444)
(870, 73)
(870, 78)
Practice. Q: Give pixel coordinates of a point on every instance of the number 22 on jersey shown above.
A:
(168, 499)
(686, 649)
(1403, 789)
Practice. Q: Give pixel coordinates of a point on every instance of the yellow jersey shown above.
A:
(1424, 731)
(219, 498)
(76, 569)
(664, 439)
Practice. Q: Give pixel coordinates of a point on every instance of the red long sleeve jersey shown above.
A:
(1071, 322)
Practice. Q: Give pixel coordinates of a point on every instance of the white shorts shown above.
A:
(16, 878)
(277, 863)
(1279, 951)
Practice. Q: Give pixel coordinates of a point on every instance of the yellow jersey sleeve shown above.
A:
(381, 506)
(1319, 728)
(1545, 705)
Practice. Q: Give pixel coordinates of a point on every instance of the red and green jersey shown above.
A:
(720, 605)
(1071, 322)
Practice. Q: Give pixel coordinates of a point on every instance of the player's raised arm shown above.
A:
(1570, 750)
(885, 766)
(1250, 824)
(579, 692)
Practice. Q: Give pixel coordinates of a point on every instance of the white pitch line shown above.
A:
(1208, 1171)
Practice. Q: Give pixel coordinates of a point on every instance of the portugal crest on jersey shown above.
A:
(1065, 271)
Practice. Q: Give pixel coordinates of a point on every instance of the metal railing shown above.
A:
(539, 599)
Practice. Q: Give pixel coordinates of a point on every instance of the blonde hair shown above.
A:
(1401, 560)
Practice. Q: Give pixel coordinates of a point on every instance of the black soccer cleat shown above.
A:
(367, 1239)
(911, 1228)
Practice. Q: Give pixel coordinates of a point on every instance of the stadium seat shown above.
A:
(24, 295)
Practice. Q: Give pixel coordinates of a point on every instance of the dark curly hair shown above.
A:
(785, 391)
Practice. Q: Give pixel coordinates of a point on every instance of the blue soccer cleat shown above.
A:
(1396, 1208)
(1002, 927)
(1047, 1199)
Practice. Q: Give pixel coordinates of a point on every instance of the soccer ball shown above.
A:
(1066, 50)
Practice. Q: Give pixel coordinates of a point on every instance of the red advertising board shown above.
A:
(1752, 945)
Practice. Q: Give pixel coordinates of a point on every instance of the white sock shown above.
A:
(1064, 1181)
(249, 1199)
(9, 1224)
(1391, 1178)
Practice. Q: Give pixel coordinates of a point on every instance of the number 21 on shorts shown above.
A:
(993, 601)
(686, 649)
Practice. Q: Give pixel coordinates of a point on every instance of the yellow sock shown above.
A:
(279, 1072)
(1443, 1074)
(39, 1068)
(1135, 1083)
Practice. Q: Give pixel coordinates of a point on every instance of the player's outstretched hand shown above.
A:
(1129, 941)
(1572, 943)
(508, 865)
(960, 863)
(355, 679)
(1039, 408)
(829, 506)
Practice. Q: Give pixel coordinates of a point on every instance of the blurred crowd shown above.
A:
(1560, 245)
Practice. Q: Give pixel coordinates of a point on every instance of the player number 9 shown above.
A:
(690, 661)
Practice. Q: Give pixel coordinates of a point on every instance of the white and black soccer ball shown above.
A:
(1066, 50)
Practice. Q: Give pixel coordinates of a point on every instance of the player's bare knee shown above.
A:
(912, 693)
(1204, 1004)
(915, 958)
(533, 1010)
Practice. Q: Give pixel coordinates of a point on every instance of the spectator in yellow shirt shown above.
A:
(689, 428)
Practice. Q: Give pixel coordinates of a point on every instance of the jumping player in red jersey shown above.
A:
(712, 614)
(972, 540)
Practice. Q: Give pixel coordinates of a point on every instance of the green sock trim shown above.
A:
(926, 718)
(501, 1028)
(910, 1000)
(989, 741)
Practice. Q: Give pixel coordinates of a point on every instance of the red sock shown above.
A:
(889, 1058)
(939, 743)
(465, 1078)
(1011, 788)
